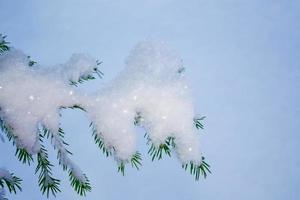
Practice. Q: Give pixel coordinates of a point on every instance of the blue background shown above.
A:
(242, 60)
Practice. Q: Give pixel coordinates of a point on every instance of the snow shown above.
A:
(152, 85)
(30, 96)
(79, 65)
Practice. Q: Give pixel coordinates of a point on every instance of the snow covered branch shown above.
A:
(151, 92)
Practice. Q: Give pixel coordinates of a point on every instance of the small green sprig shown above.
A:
(121, 168)
(13, 184)
(3, 44)
(99, 141)
(47, 183)
(164, 148)
(156, 152)
(135, 163)
(198, 122)
(81, 187)
(136, 160)
(24, 156)
(31, 62)
(197, 170)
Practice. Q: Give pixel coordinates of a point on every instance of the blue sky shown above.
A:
(242, 59)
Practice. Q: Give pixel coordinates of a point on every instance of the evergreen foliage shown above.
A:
(50, 185)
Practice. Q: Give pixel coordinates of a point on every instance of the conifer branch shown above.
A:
(79, 181)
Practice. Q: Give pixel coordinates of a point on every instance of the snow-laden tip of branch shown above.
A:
(79, 65)
(8, 179)
(5, 174)
(153, 86)
(31, 95)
